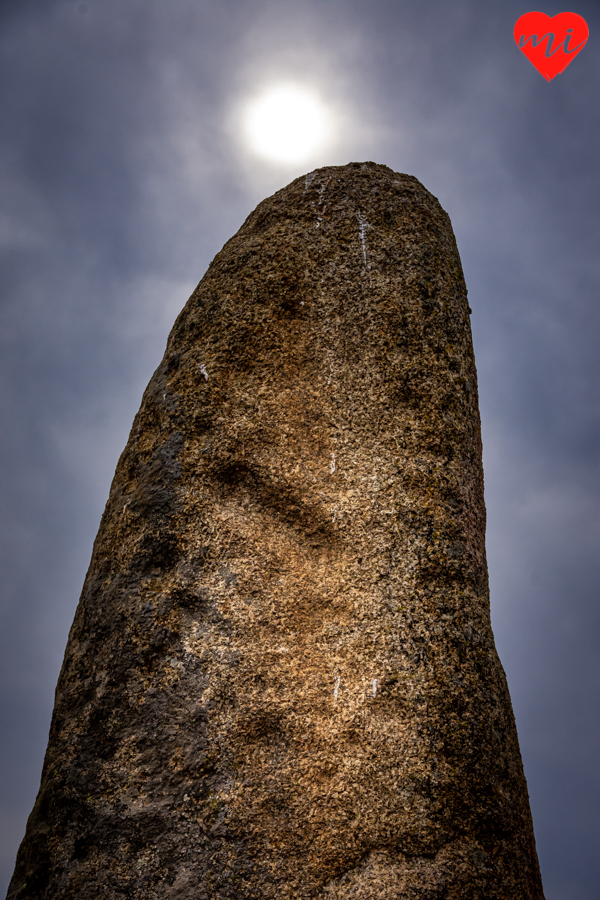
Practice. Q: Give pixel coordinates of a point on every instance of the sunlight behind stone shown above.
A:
(286, 124)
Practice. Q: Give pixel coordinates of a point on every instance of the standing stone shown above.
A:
(281, 681)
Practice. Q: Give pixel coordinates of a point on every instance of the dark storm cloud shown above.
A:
(123, 173)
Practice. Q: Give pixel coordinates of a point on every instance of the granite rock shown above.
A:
(281, 680)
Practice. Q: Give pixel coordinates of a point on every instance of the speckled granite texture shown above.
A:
(281, 681)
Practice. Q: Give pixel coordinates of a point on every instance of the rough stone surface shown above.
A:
(281, 681)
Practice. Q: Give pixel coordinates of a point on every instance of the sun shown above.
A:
(287, 124)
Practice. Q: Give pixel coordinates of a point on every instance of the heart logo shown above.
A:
(550, 43)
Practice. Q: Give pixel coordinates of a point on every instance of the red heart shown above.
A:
(551, 42)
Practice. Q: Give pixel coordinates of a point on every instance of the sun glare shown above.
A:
(287, 124)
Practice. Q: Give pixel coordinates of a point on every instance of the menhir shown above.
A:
(281, 681)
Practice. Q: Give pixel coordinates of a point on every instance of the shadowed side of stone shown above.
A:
(281, 680)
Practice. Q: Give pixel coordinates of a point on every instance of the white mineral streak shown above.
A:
(374, 687)
(330, 366)
(309, 180)
(321, 191)
(336, 688)
(332, 467)
(204, 372)
(363, 225)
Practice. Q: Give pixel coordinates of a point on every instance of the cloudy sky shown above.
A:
(126, 163)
